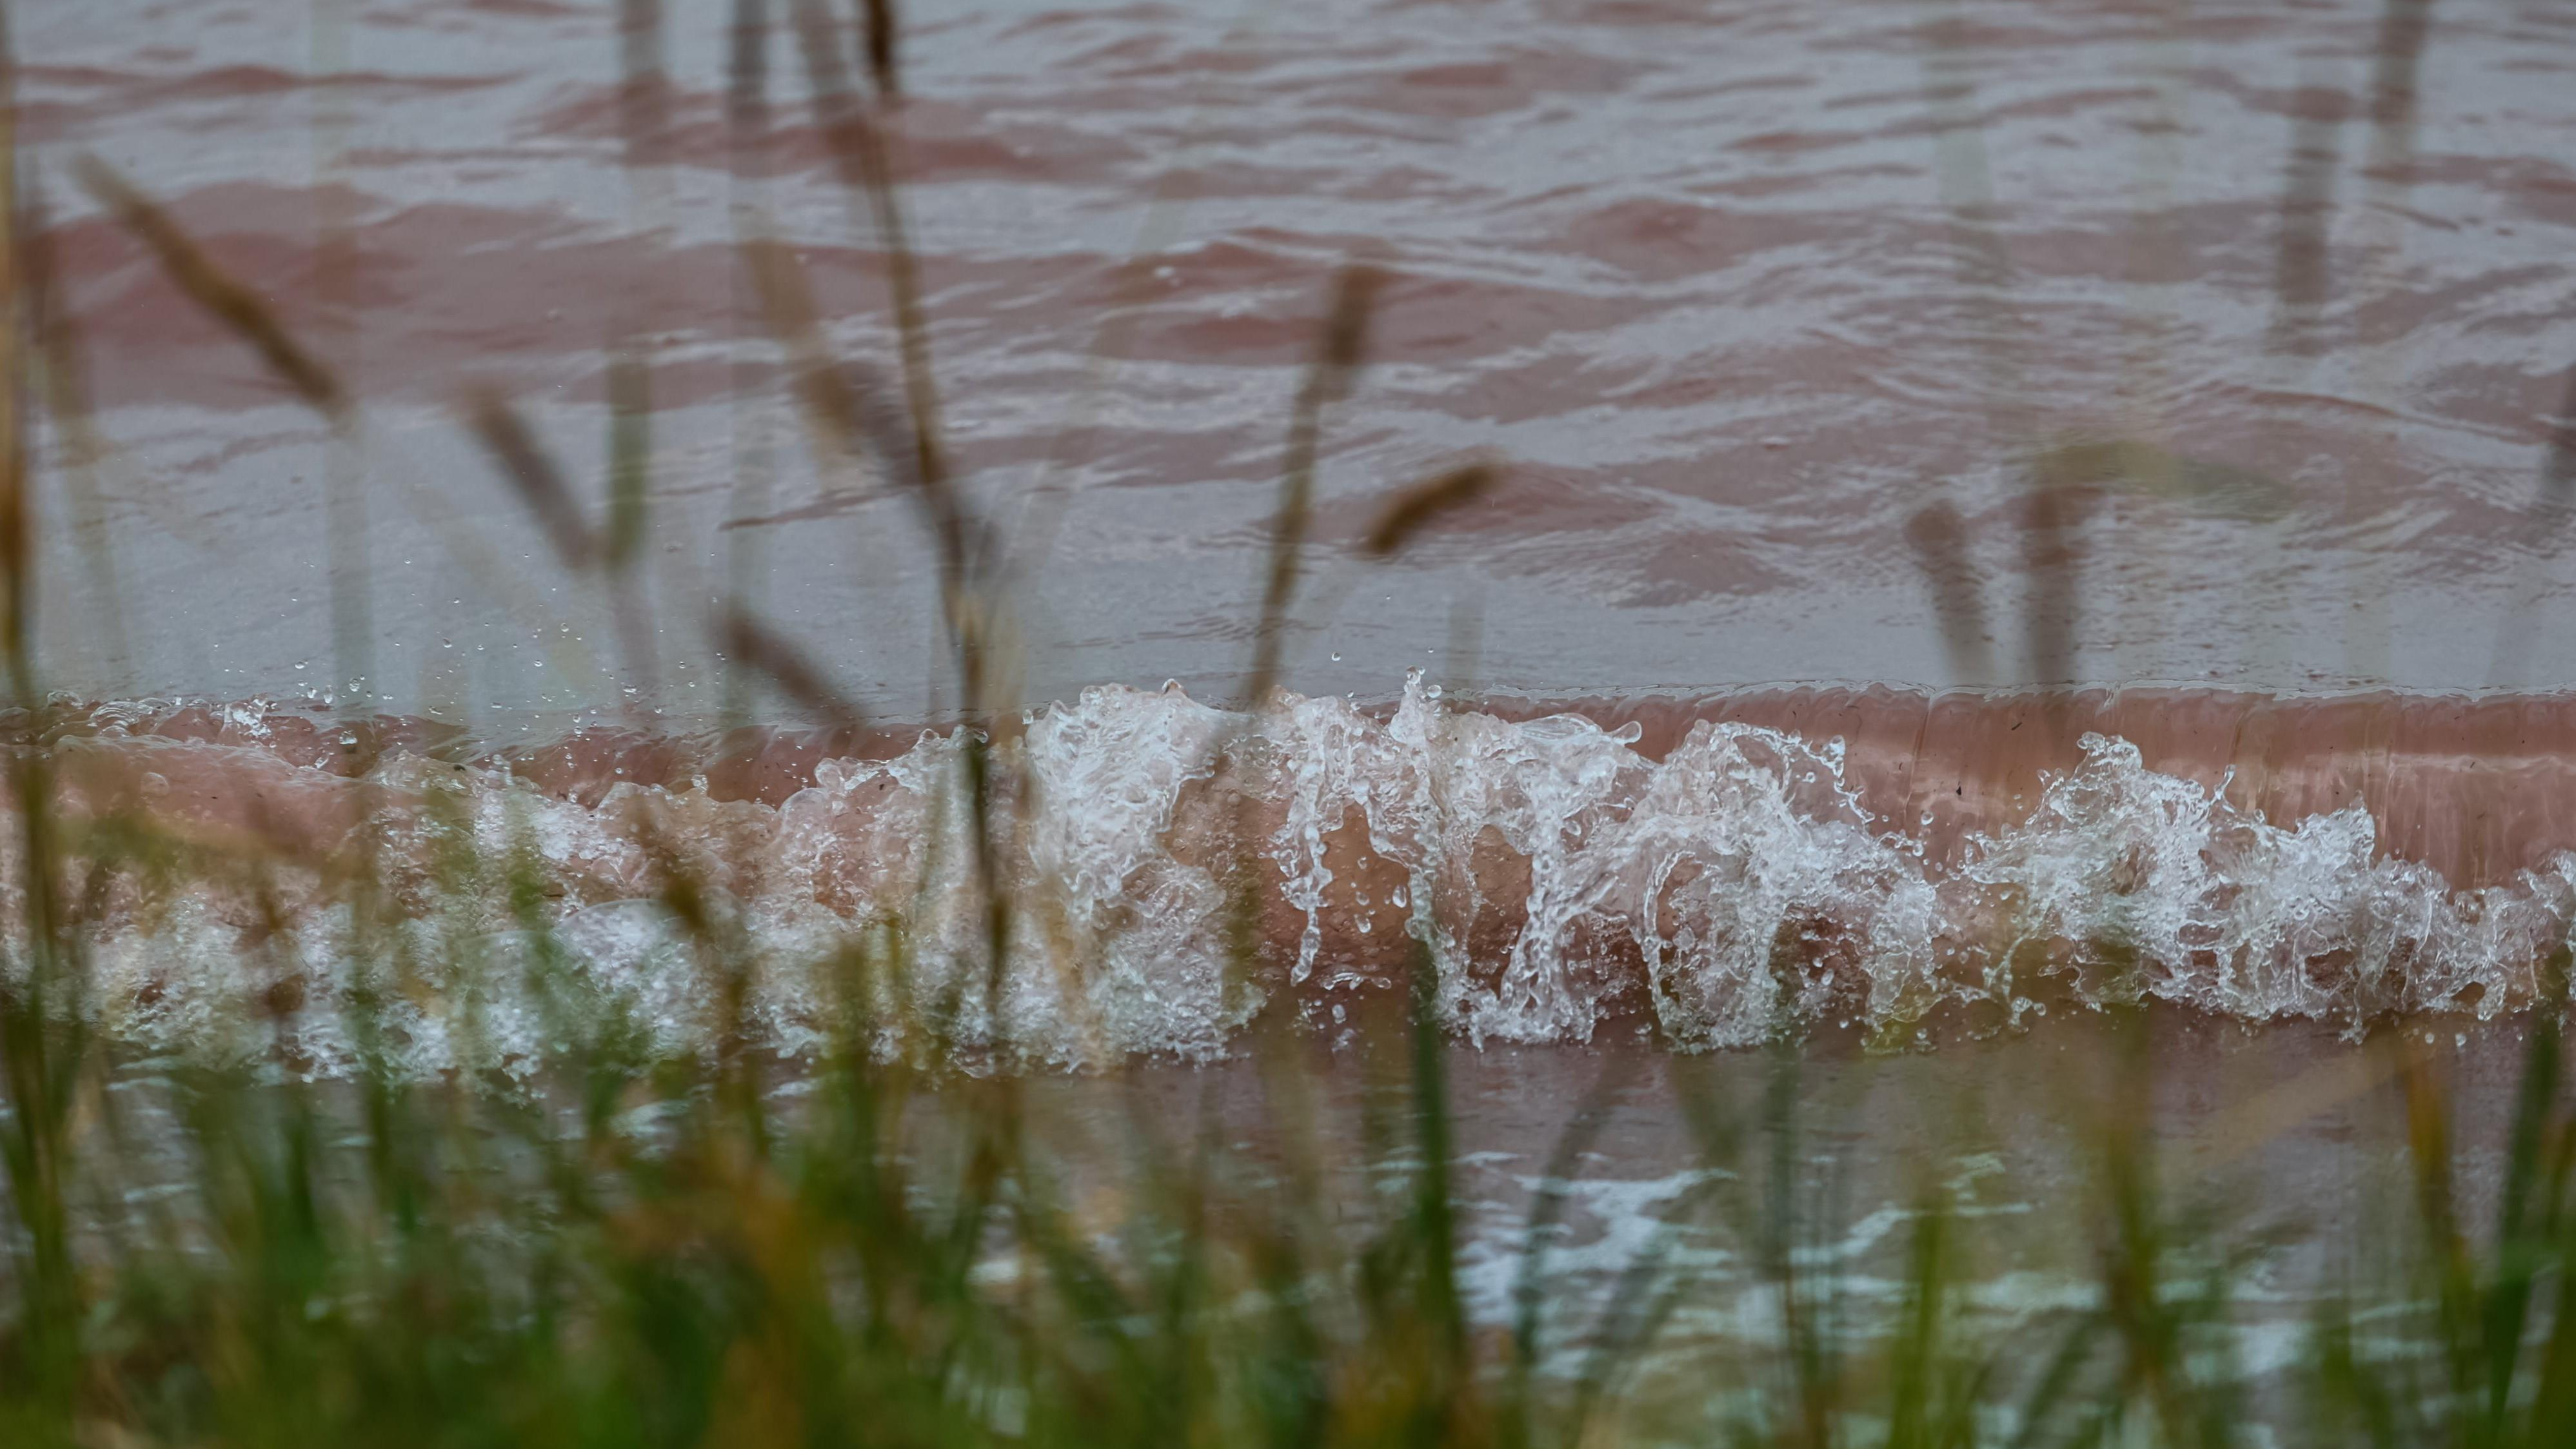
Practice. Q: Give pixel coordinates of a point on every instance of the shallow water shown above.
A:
(1675, 1169)
(2284, 1134)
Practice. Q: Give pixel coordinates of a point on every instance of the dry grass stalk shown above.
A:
(243, 313)
(881, 43)
(628, 531)
(2404, 28)
(40, 1056)
(527, 467)
(2558, 474)
(206, 284)
(849, 407)
(2300, 275)
(2053, 557)
(1417, 507)
(1341, 350)
(1939, 539)
(642, 100)
(965, 551)
(630, 459)
(861, 160)
(743, 635)
(838, 116)
(2550, 509)
(747, 73)
(753, 457)
(62, 383)
(1346, 327)
(858, 418)
(17, 526)
(1340, 353)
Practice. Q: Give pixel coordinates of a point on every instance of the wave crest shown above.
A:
(1558, 875)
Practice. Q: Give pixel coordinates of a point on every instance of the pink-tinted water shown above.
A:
(2217, 352)
(1923, 387)
(1776, 311)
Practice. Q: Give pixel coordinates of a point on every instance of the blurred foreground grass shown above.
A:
(880, 1247)
(626, 1249)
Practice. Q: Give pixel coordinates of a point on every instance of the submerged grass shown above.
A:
(876, 1247)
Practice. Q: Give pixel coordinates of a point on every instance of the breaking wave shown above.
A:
(266, 892)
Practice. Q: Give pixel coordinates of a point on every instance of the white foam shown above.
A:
(1734, 885)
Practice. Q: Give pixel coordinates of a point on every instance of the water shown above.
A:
(2286, 1132)
(2233, 349)
(1916, 350)
(1874, 863)
(2008, 508)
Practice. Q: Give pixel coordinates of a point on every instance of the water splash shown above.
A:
(1558, 876)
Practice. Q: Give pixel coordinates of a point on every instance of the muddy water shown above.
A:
(2284, 1135)
(1918, 868)
(2217, 355)
(1971, 343)
(2285, 1147)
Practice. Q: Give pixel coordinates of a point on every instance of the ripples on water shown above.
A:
(1743, 290)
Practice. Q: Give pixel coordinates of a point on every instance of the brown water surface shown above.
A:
(1986, 343)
